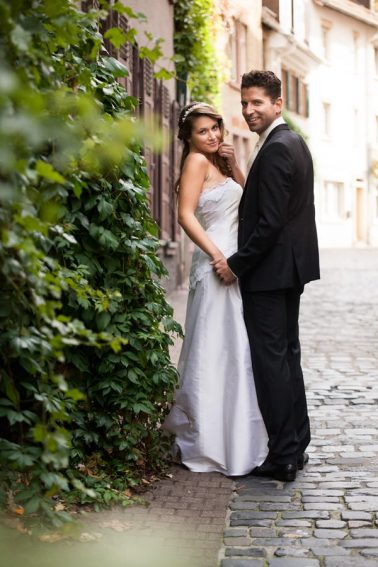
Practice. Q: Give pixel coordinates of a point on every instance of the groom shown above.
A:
(277, 255)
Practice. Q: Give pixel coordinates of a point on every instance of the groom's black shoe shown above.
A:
(302, 460)
(286, 473)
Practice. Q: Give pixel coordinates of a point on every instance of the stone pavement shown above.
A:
(328, 516)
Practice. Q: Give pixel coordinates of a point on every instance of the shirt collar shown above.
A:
(265, 134)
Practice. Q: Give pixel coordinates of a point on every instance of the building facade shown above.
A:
(158, 107)
(239, 41)
(325, 52)
(344, 125)
(159, 110)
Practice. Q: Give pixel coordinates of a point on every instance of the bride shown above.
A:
(215, 416)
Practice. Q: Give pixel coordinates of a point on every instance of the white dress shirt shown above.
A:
(263, 136)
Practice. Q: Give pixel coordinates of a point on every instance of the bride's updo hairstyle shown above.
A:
(186, 121)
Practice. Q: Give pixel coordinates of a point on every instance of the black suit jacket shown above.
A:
(277, 239)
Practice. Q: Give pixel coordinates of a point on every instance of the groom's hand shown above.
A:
(223, 271)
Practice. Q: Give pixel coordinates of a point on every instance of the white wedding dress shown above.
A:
(215, 416)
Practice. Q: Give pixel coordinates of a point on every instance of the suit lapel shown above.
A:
(274, 131)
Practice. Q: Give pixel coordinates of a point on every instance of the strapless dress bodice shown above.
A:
(217, 211)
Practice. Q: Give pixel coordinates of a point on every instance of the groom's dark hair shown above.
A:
(264, 79)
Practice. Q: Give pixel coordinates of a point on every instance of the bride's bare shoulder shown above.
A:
(196, 160)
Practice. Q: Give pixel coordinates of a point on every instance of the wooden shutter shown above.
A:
(176, 151)
(133, 83)
(112, 21)
(87, 5)
(164, 170)
(146, 95)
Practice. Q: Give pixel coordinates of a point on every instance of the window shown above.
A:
(294, 92)
(305, 101)
(333, 200)
(274, 6)
(242, 150)
(326, 119)
(242, 48)
(325, 41)
(356, 127)
(355, 50)
(285, 86)
(233, 56)
(365, 3)
(238, 51)
(297, 88)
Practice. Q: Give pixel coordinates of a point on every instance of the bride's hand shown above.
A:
(227, 151)
(223, 271)
(216, 257)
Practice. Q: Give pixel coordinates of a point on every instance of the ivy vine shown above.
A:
(85, 373)
(194, 42)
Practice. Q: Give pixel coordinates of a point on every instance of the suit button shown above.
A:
(241, 219)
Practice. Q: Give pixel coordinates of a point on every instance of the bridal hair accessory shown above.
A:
(190, 109)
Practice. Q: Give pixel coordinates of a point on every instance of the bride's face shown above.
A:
(206, 135)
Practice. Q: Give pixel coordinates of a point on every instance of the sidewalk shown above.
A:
(184, 522)
(326, 518)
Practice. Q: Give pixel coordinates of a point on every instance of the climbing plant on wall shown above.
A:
(85, 373)
(194, 41)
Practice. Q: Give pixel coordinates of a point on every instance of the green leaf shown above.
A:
(32, 505)
(140, 407)
(116, 36)
(75, 394)
(21, 38)
(103, 320)
(39, 432)
(11, 390)
(115, 67)
(47, 171)
(164, 74)
(132, 376)
(105, 208)
(122, 9)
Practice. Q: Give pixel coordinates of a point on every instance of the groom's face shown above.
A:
(258, 109)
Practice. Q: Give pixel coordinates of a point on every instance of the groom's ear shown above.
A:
(278, 104)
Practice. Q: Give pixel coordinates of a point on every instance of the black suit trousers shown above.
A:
(271, 319)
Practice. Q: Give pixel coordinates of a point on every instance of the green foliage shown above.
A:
(85, 374)
(196, 57)
(293, 125)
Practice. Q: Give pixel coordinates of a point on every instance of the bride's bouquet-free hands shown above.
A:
(222, 269)
(227, 151)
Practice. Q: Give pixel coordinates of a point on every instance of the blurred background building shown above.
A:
(240, 45)
(326, 54)
(343, 121)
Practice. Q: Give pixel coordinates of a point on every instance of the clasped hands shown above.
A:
(223, 271)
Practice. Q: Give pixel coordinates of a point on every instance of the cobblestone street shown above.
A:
(327, 517)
